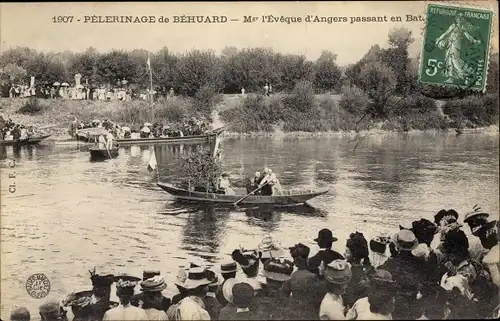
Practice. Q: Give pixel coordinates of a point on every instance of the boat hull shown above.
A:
(164, 140)
(23, 142)
(96, 153)
(289, 197)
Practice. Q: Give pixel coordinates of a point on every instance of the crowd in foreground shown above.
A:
(431, 270)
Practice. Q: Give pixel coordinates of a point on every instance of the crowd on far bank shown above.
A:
(430, 270)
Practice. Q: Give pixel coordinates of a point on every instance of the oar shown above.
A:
(244, 197)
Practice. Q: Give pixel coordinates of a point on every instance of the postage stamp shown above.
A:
(455, 47)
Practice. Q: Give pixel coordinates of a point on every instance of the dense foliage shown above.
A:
(200, 169)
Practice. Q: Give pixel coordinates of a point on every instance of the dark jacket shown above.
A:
(305, 292)
(411, 275)
(358, 287)
(271, 304)
(229, 313)
(326, 256)
(100, 308)
(212, 306)
(137, 301)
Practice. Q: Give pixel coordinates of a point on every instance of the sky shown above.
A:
(31, 25)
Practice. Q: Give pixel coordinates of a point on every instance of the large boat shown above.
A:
(461, 131)
(22, 142)
(205, 138)
(97, 153)
(290, 197)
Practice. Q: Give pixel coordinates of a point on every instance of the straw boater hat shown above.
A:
(227, 289)
(229, 267)
(154, 284)
(474, 216)
(278, 270)
(405, 240)
(383, 278)
(196, 277)
(270, 248)
(147, 274)
(338, 272)
(181, 277)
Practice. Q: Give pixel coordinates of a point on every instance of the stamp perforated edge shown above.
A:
(462, 4)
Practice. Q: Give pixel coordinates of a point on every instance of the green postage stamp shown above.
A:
(455, 48)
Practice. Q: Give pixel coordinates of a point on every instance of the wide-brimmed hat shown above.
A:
(405, 240)
(229, 267)
(325, 235)
(147, 274)
(278, 270)
(338, 272)
(477, 213)
(249, 261)
(379, 243)
(300, 250)
(154, 284)
(79, 299)
(242, 294)
(196, 277)
(227, 289)
(126, 281)
(181, 277)
(270, 248)
(101, 280)
(383, 277)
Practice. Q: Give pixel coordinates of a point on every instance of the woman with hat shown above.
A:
(249, 262)
(410, 274)
(445, 220)
(153, 298)
(379, 302)
(125, 285)
(241, 296)
(211, 304)
(80, 305)
(337, 275)
(228, 271)
(101, 289)
(192, 307)
(356, 254)
(325, 254)
(271, 302)
(378, 250)
(304, 288)
(478, 224)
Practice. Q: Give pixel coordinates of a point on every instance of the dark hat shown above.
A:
(358, 245)
(242, 294)
(154, 284)
(249, 261)
(20, 314)
(212, 277)
(147, 274)
(126, 281)
(338, 272)
(449, 215)
(278, 270)
(99, 281)
(405, 240)
(79, 299)
(424, 230)
(325, 235)
(300, 250)
(228, 267)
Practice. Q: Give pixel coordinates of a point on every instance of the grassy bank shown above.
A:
(260, 115)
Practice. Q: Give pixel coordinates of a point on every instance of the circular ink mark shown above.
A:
(38, 286)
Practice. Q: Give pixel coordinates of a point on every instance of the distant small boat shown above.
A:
(22, 142)
(290, 197)
(90, 134)
(97, 153)
(461, 131)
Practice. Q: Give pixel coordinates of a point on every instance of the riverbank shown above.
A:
(54, 117)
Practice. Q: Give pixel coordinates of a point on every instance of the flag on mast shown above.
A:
(152, 162)
(149, 62)
(214, 146)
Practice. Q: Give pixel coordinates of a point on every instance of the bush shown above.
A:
(354, 100)
(255, 114)
(199, 168)
(204, 101)
(480, 110)
(31, 107)
(301, 98)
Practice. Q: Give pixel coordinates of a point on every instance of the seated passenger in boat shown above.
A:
(225, 185)
(109, 140)
(254, 184)
(102, 142)
(270, 183)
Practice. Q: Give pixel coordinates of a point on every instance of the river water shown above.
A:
(68, 214)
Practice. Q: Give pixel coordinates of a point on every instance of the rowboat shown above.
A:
(97, 153)
(90, 134)
(461, 131)
(289, 197)
(22, 142)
